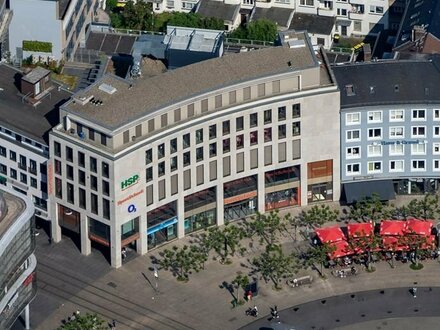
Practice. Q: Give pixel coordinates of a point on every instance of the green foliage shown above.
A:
(366, 245)
(37, 46)
(318, 215)
(137, 16)
(240, 281)
(111, 4)
(224, 241)
(85, 322)
(426, 208)
(319, 255)
(261, 29)
(370, 208)
(274, 265)
(181, 261)
(414, 243)
(266, 227)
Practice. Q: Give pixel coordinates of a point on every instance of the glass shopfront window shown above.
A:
(282, 188)
(200, 210)
(162, 224)
(99, 232)
(240, 198)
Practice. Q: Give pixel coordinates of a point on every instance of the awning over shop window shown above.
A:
(356, 191)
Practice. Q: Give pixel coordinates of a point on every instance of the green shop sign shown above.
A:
(129, 182)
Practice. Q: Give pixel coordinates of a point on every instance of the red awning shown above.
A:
(330, 234)
(342, 250)
(392, 227)
(364, 229)
(430, 243)
(419, 227)
(391, 243)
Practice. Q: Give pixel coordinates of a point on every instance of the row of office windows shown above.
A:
(374, 167)
(376, 150)
(395, 132)
(82, 198)
(24, 140)
(81, 160)
(23, 163)
(22, 177)
(376, 116)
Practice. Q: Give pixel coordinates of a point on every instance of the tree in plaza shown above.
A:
(401, 212)
(181, 261)
(274, 265)
(295, 222)
(240, 281)
(370, 208)
(414, 243)
(224, 241)
(266, 227)
(367, 245)
(85, 322)
(319, 255)
(426, 208)
(318, 215)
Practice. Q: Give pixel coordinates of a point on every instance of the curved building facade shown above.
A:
(143, 162)
(17, 259)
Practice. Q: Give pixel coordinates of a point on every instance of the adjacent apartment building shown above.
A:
(61, 23)
(143, 162)
(17, 259)
(390, 127)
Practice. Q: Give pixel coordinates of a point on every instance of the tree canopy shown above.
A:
(261, 29)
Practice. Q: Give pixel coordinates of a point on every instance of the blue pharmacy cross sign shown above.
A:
(131, 208)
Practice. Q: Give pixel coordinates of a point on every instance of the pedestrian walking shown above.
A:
(113, 325)
(124, 253)
(249, 295)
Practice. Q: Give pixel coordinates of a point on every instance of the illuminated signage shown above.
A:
(129, 182)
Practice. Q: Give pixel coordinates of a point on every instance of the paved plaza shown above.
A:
(68, 281)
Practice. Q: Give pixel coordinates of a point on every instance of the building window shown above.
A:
(376, 10)
(353, 135)
(57, 149)
(418, 165)
(397, 115)
(374, 167)
(13, 173)
(148, 156)
(396, 166)
(81, 177)
(69, 154)
(94, 183)
(418, 114)
(23, 178)
(93, 165)
(374, 116)
(374, 133)
(239, 124)
(213, 149)
(226, 127)
(353, 152)
(396, 132)
(34, 182)
(161, 150)
(32, 166)
(173, 145)
(161, 169)
(105, 188)
(2, 151)
(22, 162)
(253, 137)
(436, 131)
(353, 118)
(436, 148)
(3, 169)
(212, 132)
(239, 141)
(199, 136)
(105, 170)
(81, 159)
(226, 145)
(296, 128)
(253, 119)
(374, 150)
(70, 193)
(267, 116)
(281, 113)
(436, 114)
(281, 131)
(268, 134)
(103, 139)
(296, 110)
(58, 188)
(92, 134)
(149, 174)
(397, 150)
(82, 198)
(69, 172)
(418, 149)
(12, 155)
(106, 208)
(353, 169)
(436, 165)
(94, 203)
(199, 154)
(186, 158)
(186, 141)
(58, 167)
(306, 2)
(418, 131)
(173, 163)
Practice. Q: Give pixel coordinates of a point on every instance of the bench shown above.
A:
(294, 282)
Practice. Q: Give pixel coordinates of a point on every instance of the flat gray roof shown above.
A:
(21, 117)
(36, 75)
(153, 93)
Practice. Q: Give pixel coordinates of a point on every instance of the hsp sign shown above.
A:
(129, 182)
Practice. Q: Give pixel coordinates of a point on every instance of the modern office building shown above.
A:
(17, 259)
(28, 110)
(61, 23)
(390, 127)
(145, 161)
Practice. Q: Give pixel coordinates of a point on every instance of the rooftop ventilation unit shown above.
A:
(107, 88)
(83, 100)
(296, 43)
